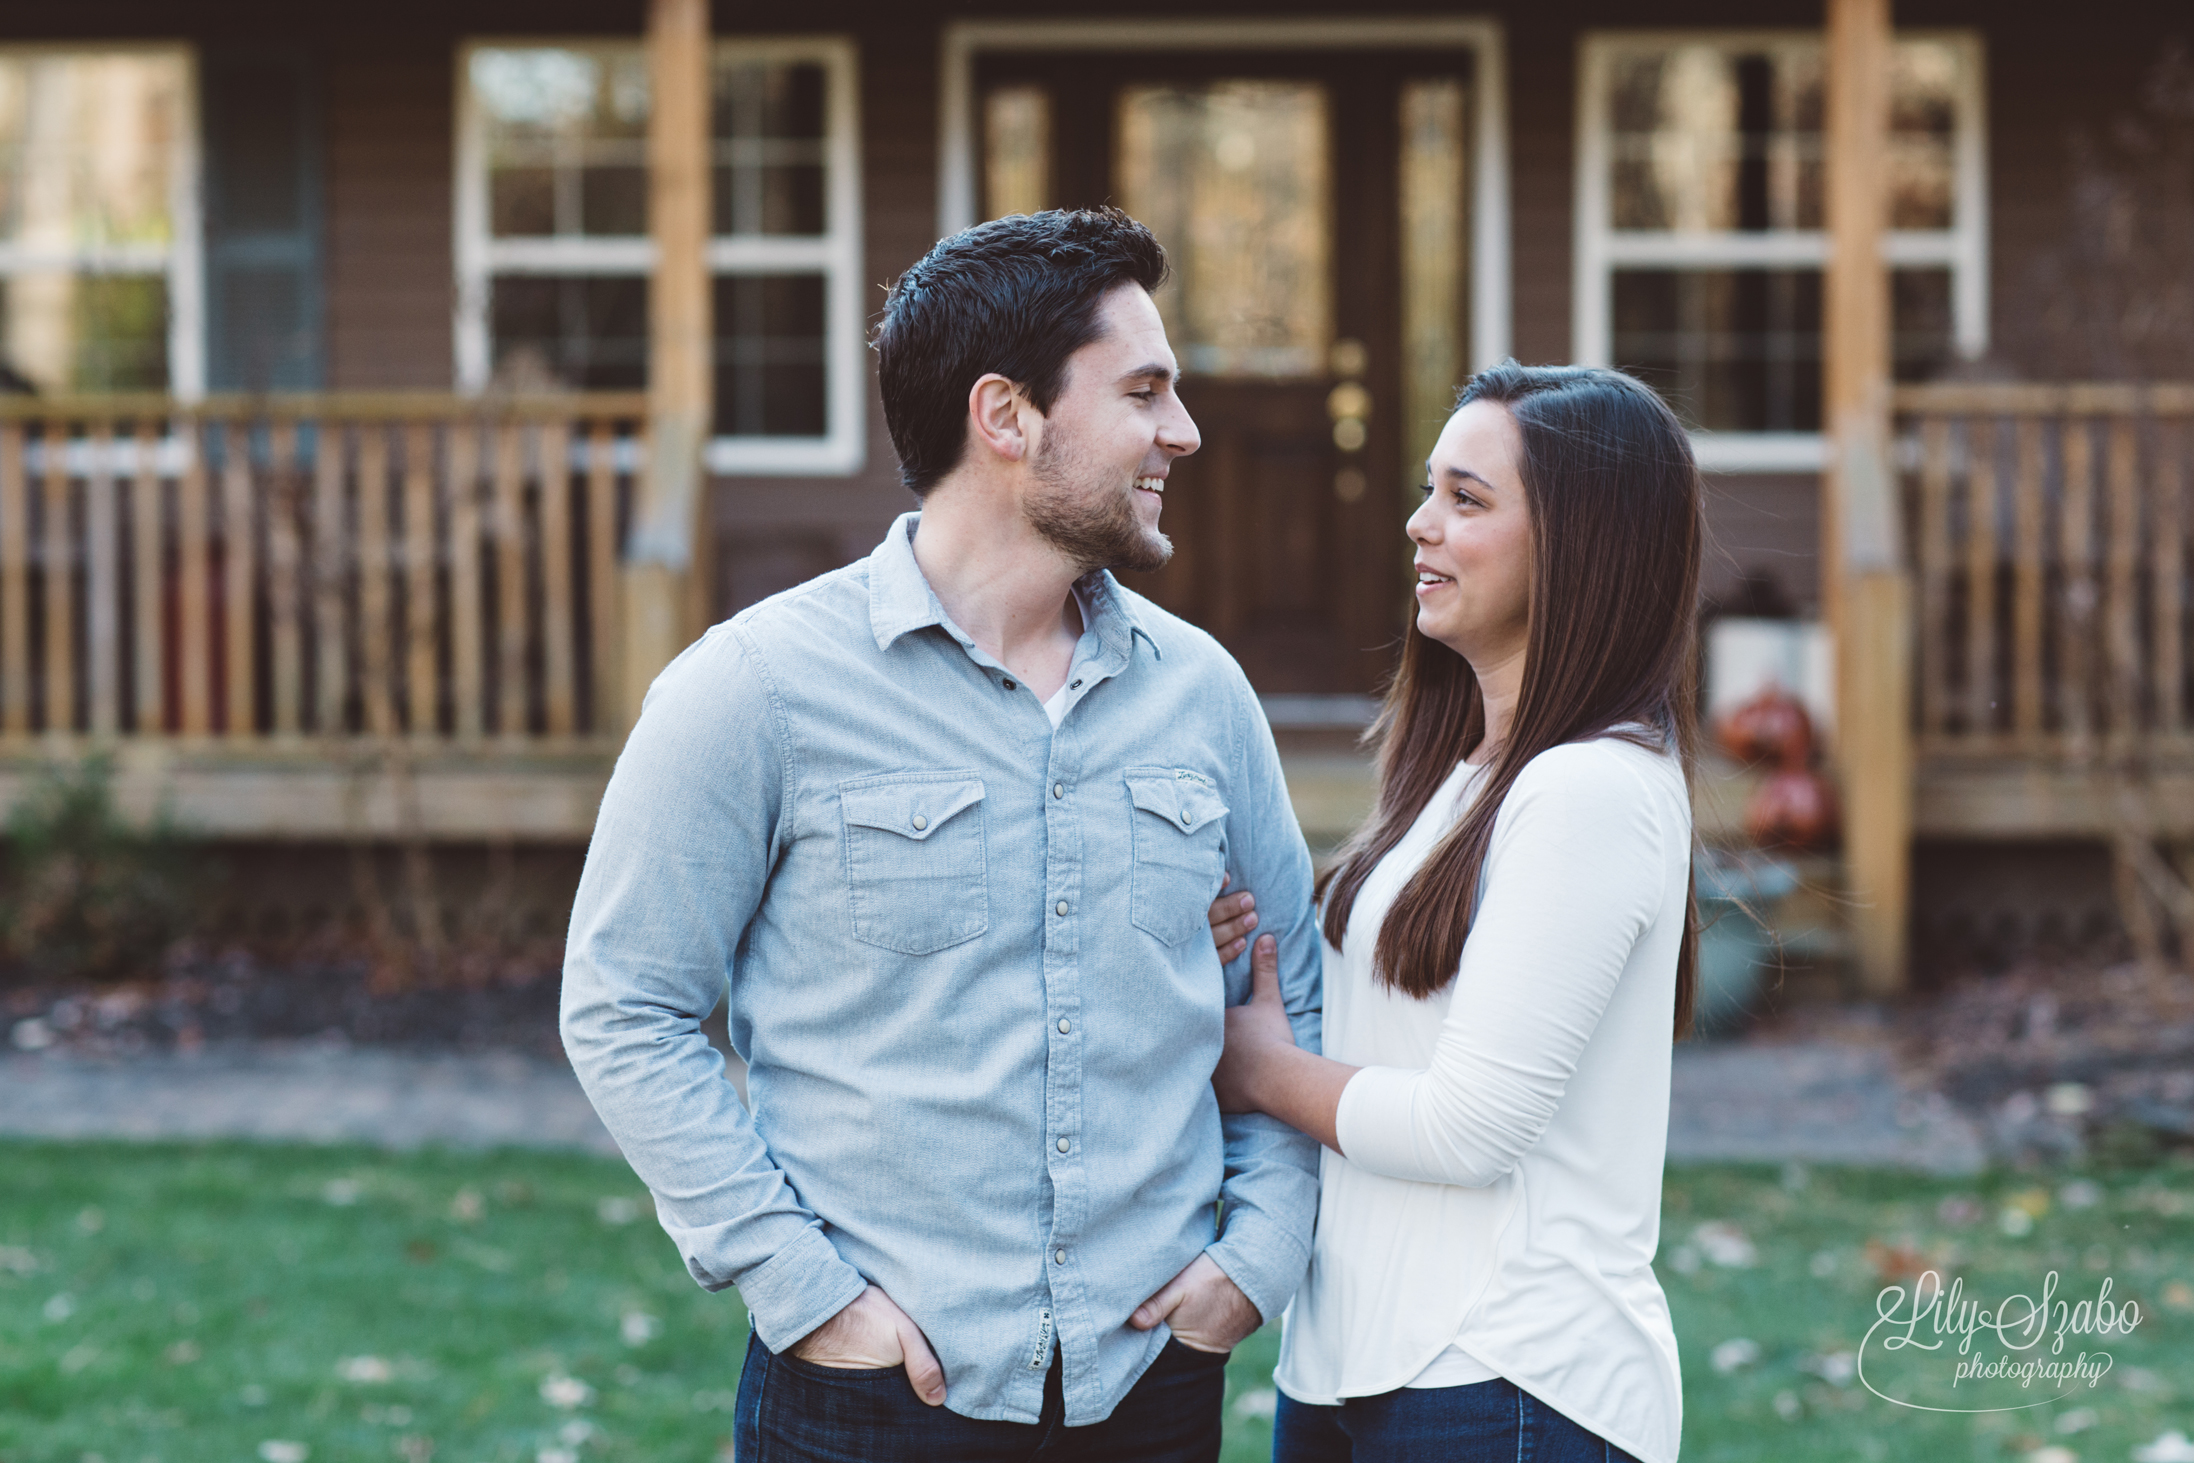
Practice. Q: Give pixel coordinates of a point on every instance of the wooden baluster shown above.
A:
(148, 570)
(376, 670)
(2174, 475)
(556, 606)
(2027, 588)
(14, 584)
(2124, 567)
(510, 580)
(239, 578)
(330, 579)
(103, 583)
(467, 684)
(60, 563)
(194, 588)
(1935, 575)
(285, 637)
(603, 586)
(420, 680)
(1980, 576)
(2076, 620)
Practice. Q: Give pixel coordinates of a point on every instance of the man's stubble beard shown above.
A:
(1093, 528)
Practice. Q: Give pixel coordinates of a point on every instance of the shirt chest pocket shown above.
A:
(915, 862)
(1179, 832)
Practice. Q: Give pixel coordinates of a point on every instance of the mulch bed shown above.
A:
(468, 1003)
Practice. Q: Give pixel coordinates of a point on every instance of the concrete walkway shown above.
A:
(1815, 1102)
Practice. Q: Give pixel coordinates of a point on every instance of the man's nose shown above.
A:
(1177, 433)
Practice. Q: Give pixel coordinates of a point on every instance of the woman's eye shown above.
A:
(1425, 487)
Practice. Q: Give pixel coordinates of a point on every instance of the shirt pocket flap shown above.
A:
(1185, 801)
(910, 809)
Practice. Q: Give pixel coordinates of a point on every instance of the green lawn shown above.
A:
(220, 1302)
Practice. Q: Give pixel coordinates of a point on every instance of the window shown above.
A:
(1700, 235)
(98, 230)
(553, 253)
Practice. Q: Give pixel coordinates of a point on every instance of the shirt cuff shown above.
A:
(798, 1288)
(1375, 1120)
(1265, 1260)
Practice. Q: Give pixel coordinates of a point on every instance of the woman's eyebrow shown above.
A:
(1465, 474)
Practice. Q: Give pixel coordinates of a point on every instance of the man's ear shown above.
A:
(994, 407)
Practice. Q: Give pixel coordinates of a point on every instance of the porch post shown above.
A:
(659, 558)
(1864, 585)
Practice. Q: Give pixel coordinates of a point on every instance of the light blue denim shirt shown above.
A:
(969, 967)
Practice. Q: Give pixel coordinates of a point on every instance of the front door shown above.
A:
(1313, 210)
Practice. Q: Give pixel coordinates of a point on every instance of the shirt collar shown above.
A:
(900, 599)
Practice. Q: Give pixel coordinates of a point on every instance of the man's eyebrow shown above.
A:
(1157, 371)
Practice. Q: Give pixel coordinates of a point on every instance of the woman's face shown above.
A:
(1473, 538)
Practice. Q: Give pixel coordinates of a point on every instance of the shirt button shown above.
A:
(1058, 789)
(920, 822)
(1009, 684)
(1187, 816)
(1075, 687)
(1065, 1026)
(1062, 907)
(1058, 1257)
(1063, 1145)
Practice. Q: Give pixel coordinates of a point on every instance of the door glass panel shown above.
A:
(1016, 151)
(1435, 240)
(1233, 177)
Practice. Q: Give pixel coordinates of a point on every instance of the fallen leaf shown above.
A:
(558, 1390)
(1735, 1353)
(365, 1369)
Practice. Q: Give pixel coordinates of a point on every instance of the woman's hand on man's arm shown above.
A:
(1233, 916)
(1263, 1070)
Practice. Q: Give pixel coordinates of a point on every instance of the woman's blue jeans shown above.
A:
(1486, 1422)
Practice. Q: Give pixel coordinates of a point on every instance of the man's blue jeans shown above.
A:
(792, 1411)
(1487, 1422)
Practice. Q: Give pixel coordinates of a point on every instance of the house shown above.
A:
(391, 391)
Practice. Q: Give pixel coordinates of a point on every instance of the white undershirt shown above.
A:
(1499, 1205)
(1056, 707)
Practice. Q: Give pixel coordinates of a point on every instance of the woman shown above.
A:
(1509, 952)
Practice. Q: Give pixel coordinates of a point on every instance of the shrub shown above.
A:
(86, 895)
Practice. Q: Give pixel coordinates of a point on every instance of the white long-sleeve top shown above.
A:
(1501, 1192)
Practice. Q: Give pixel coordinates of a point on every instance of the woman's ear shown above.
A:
(994, 414)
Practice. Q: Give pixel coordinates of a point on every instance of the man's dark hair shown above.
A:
(1016, 296)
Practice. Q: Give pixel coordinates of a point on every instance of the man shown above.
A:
(949, 820)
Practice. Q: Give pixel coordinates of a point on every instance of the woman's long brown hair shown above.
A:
(1614, 496)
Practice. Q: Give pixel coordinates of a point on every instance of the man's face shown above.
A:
(1109, 441)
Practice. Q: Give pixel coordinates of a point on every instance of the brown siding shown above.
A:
(389, 251)
(1766, 527)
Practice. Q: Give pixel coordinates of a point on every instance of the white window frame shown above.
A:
(181, 259)
(835, 254)
(1600, 250)
(959, 139)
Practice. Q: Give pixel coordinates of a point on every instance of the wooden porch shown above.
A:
(321, 616)
(2051, 561)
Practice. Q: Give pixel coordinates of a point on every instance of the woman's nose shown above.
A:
(1419, 527)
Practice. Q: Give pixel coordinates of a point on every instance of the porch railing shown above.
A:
(2049, 526)
(268, 570)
